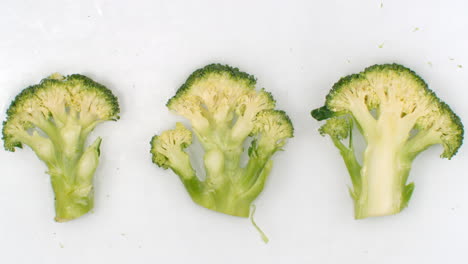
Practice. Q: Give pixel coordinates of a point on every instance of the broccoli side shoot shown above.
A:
(54, 119)
(224, 110)
(399, 117)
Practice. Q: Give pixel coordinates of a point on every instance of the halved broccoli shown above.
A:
(54, 118)
(399, 117)
(225, 110)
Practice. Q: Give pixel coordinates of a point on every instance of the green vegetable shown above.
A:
(399, 117)
(54, 118)
(224, 110)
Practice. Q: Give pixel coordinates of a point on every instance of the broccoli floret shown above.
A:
(54, 118)
(224, 110)
(399, 117)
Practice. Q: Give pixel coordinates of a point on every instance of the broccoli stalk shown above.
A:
(225, 110)
(54, 118)
(399, 117)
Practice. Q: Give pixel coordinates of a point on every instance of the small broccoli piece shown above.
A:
(224, 110)
(399, 117)
(54, 118)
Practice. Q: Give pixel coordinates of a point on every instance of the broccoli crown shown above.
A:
(338, 128)
(274, 126)
(57, 97)
(397, 89)
(201, 79)
(224, 109)
(215, 86)
(171, 143)
(399, 117)
(213, 95)
(54, 119)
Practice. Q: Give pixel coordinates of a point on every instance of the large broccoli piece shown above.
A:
(224, 110)
(399, 117)
(54, 118)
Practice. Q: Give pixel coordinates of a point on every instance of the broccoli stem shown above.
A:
(252, 171)
(228, 188)
(232, 204)
(353, 166)
(384, 173)
(197, 191)
(71, 169)
(71, 201)
(381, 188)
(237, 197)
(222, 168)
(258, 185)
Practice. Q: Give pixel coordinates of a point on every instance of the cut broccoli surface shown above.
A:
(54, 118)
(225, 110)
(399, 117)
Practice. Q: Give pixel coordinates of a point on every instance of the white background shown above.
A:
(144, 50)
